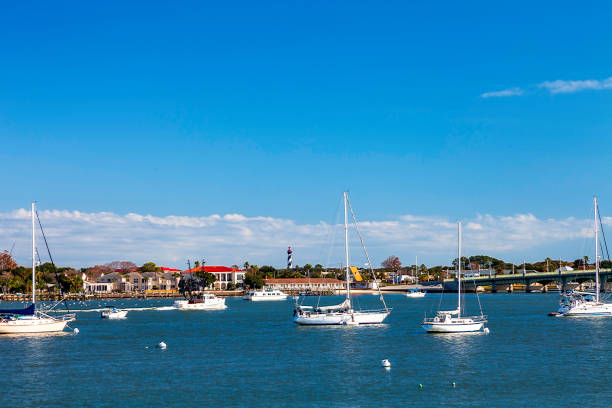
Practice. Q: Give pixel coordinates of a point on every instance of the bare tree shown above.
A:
(392, 263)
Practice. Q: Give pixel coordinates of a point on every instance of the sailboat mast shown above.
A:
(596, 251)
(33, 259)
(416, 272)
(459, 272)
(346, 249)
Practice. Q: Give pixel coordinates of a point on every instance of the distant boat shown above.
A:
(114, 313)
(587, 304)
(263, 295)
(451, 321)
(30, 319)
(416, 293)
(207, 301)
(343, 313)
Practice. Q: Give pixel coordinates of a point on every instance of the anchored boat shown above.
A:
(587, 304)
(343, 313)
(262, 295)
(31, 319)
(452, 321)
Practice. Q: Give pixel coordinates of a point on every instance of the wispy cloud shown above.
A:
(503, 93)
(80, 239)
(559, 86)
(555, 87)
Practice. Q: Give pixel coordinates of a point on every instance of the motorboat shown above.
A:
(114, 313)
(263, 295)
(206, 301)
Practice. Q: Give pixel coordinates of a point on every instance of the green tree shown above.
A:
(149, 267)
(205, 279)
(253, 281)
(231, 286)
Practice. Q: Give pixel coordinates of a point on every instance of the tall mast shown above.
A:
(459, 273)
(33, 259)
(346, 250)
(596, 251)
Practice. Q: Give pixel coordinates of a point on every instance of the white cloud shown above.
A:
(559, 86)
(503, 93)
(556, 87)
(81, 239)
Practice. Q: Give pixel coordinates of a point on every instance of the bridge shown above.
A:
(544, 278)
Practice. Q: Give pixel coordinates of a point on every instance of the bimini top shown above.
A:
(28, 311)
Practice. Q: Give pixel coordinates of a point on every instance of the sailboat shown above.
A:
(343, 313)
(416, 293)
(579, 303)
(452, 321)
(31, 320)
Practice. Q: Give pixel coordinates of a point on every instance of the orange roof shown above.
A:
(304, 280)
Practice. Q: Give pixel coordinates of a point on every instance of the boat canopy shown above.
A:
(28, 311)
(342, 306)
(448, 312)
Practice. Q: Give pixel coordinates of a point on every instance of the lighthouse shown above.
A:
(289, 258)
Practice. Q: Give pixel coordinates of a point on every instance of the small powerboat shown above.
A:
(114, 313)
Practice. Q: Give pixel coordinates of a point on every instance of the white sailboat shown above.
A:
(31, 320)
(588, 304)
(343, 313)
(451, 321)
(416, 293)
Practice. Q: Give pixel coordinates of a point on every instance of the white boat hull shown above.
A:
(348, 318)
(586, 310)
(218, 304)
(120, 314)
(43, 325)
(452, 327)
(415, 294)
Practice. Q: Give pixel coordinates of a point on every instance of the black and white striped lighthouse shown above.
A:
(289, 258)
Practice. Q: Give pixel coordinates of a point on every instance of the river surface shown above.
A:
(251, 354)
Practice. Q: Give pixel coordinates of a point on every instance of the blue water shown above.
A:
(251, 354)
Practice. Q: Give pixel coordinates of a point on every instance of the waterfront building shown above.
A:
(303, 284)
(224, 275)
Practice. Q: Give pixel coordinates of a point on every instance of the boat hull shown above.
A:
(415, 295)
(121, 314)
(32, 326)
(354, 318)
(452, 327)
(590, 310)
(219, 304)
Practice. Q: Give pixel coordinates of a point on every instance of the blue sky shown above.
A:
(271, 110)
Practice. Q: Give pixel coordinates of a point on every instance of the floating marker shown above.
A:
(385, 363)
(421, 386)
(454, 384)
(162, 345)
(76, 330)
(486, 330)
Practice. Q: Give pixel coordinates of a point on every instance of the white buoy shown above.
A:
(385, 363)
(486, 330)
(76, 330)
(162, 345)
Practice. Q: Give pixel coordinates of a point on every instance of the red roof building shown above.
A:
(224, 275)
